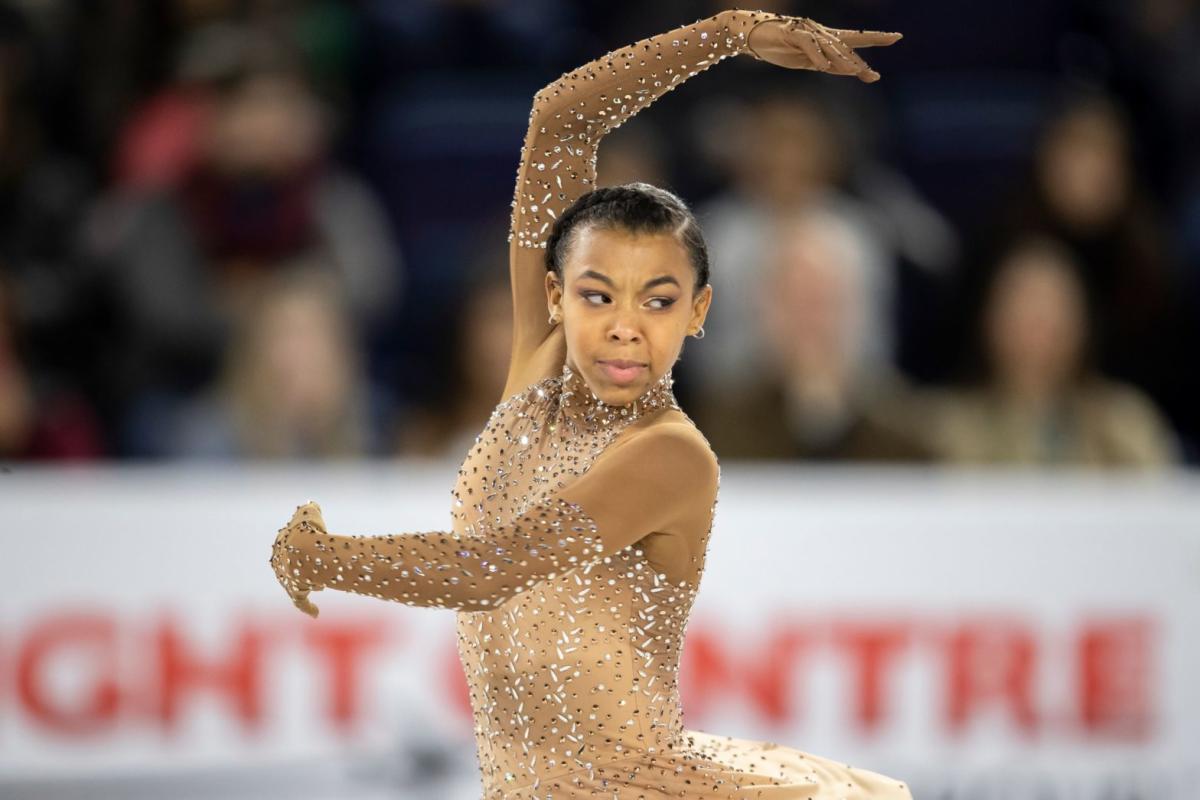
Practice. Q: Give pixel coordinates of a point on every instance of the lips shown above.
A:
(620, 370)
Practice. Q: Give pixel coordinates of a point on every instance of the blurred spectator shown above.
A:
(826, 391)
(788, 156)
(159, 139)
(1147, 54)
(1040, 400)
(1086, 194)
(39, 420)
(183, 261)
(159, 143)
(786, 150)
(482, 347)
(292, 384)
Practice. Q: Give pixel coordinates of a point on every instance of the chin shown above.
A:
(620, 395)
(615, 393)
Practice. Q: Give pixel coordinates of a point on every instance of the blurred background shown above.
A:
(277, 229)
(253, 248)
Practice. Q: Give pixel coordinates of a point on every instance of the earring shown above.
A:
(553, 318)
(700, 333)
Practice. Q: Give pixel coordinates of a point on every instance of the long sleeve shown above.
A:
(644, 485)
(569, 118)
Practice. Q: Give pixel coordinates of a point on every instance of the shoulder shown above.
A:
(1128, 415)
(1121, 399)
(671, 430)
(672, 446)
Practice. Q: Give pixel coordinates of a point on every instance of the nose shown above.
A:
(624, 328)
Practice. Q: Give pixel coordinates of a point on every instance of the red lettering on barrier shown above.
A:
(238, 678)
(1114, 675)
(708, 672)
(990, 662)
(767, 677)
(51, 637)
(342, 647)
(771, 678)
(871, 648)
(991, 666)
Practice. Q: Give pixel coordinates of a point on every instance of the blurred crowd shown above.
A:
(278, 228)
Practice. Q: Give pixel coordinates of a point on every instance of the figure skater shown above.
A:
(581, 515)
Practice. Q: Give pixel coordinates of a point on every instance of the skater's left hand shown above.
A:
(306, 521)
(803, 43)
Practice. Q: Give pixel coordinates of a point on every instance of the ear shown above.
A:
(700, 304)
(554, 291)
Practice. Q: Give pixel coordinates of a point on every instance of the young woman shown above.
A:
(581, 516)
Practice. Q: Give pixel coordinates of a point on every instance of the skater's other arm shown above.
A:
(571, 115)
(655, 482)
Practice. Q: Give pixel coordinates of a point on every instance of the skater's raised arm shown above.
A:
(648, 484)
(571, 115)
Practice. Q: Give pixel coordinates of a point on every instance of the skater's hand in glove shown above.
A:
(802, 43)
(306, 522)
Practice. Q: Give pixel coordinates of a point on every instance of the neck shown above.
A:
(1031, 393)
(578, 399)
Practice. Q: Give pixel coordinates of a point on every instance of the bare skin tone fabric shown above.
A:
(579, 528)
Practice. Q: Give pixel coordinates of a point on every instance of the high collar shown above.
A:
(579, 401)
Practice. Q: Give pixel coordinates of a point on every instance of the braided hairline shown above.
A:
(679, 222)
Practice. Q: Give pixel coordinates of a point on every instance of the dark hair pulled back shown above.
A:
(634, 207)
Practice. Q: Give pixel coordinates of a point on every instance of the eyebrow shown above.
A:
(600, 276)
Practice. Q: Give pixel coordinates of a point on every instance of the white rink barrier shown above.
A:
(982, 636)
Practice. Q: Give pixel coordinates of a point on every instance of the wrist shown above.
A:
(747, 22)
(296, 557)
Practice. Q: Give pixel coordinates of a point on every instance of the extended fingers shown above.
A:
(837, 58)
(849, 62)
(301, 601)
(866, 38)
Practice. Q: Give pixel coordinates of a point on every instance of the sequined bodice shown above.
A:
(580, 669)
(536, 440)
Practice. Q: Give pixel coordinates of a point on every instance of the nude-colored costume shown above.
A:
(579, 529)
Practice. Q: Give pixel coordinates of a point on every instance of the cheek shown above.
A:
(578, 322)
(668, 334)
(581, 332)
(670, 324)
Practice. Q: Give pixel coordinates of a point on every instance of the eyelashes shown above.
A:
(667, 302)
